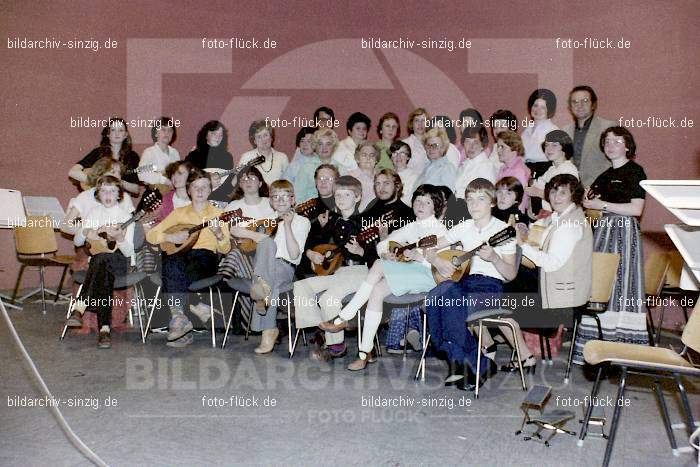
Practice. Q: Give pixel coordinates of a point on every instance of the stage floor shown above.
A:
(148, 404)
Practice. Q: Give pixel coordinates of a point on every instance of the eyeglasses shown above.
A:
(433, 146)
(249, 179)
(285, 197)
(366, 156)
(402, 153)
(585, 100)
(616, 141)
(326, 179)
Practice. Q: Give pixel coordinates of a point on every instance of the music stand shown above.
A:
(682, 199)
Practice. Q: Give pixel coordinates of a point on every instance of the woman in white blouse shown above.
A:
(559, 149)
(262, 137)
(564, 258)
(161, 153)
(416, 132)
(542, 104)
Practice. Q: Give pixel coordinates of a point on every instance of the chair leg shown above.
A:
(589, 409)
(660, 325)
(303, 337)
(549, 351)
(478, 360)
(71, 307)
(666, 418)
(230, 318)
(359, 331)
(378, 344)
(650, 329)
(542, 354)
(138, 306)
(517, 352)
(150, 316)
(294, 344)
(19, 280)
(60, 284)
(289, 330)
(421, 362)
(571, 349)
(689, 422)
(211, 316)
(405, 334)
(43, 290)
(616, 417)
(598, 325)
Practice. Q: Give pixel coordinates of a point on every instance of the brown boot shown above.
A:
(267, 343)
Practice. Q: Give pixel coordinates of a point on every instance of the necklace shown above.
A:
(272, 161)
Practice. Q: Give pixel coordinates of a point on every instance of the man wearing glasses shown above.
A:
(585, 132)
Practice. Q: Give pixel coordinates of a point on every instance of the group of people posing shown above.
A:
(348, 222)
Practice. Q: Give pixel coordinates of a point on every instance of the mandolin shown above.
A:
(138, 170)
(536, 235)
(224, 174)
(193, 232)
(460, 259)
(333, 254)
(104, 244)
(268, 226)
(398, 249)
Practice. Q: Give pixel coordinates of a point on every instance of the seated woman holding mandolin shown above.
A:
(103, 222)
(402, 270)
(191, 236)
(250, 196)
(563, 252)
(486, 241)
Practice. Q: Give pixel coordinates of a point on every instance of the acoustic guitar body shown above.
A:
(452, 256)
(333, 259)
(101, 245)
(173, 248)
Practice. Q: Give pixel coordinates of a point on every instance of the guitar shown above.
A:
(193, 232)
(138, 170)
(104, 244)
(224, 174)
(398, 249)
(460, 259)
(333, 254)
(267, 226)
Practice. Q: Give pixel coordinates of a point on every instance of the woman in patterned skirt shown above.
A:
(617, 193)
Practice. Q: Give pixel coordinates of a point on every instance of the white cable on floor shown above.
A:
(695, 442)
(77, 442)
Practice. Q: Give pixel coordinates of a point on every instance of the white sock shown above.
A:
(104, 328)
(360, 298)
(372, 321)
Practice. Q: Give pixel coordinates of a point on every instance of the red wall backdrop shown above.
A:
(160, 68)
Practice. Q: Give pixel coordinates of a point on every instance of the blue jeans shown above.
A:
(182, 269)
(449, 305)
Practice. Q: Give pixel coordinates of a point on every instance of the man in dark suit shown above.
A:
(585, 132)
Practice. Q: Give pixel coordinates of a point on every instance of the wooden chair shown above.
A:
(644, 360)
(655, 270)
(604, 276)
(36, 246)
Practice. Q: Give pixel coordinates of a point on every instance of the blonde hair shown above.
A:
(438, 133)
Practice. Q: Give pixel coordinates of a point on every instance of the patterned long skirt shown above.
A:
(625, 317)
(236, 263)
